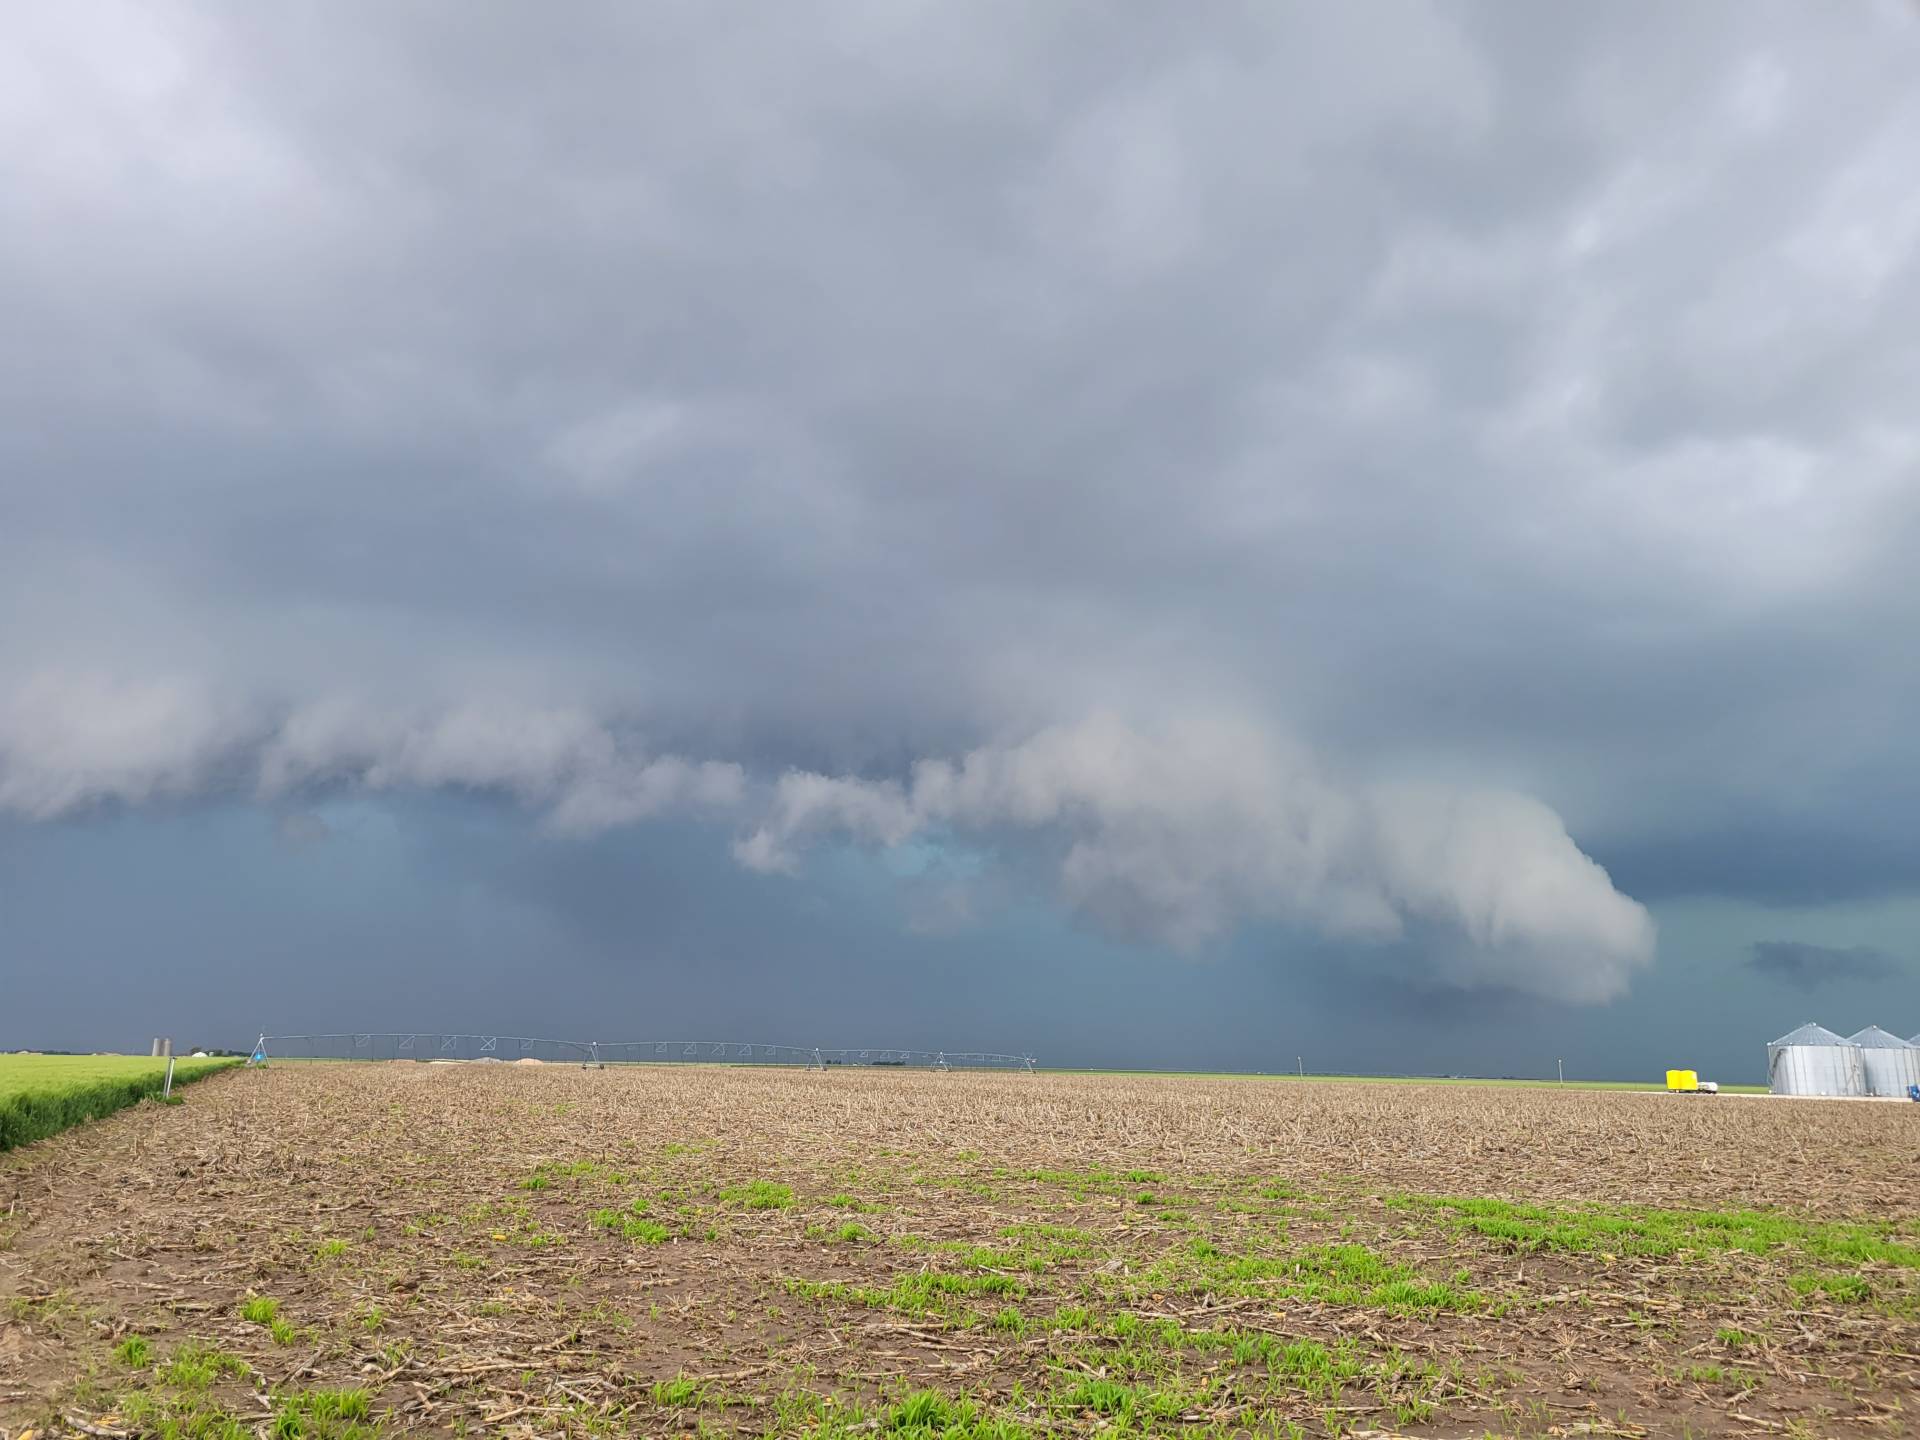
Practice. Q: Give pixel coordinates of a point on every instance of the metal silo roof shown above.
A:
(1810, 1034)
(1874, 1038)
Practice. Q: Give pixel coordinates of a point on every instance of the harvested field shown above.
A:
(334, 1249)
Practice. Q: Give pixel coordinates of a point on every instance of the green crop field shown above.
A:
(41, 1095)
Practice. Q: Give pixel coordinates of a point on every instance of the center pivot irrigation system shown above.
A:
(438, 1045)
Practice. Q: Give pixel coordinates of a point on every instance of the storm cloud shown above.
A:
(1809, 967)
(1178, 837)
(67, 745)
(1433, 476)
(1187, 834)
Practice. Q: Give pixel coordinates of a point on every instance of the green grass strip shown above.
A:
(1647, 1230)
(41, 1095)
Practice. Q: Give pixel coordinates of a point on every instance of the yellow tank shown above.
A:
(1687, 1080)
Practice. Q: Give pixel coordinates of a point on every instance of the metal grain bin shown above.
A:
(1815, 1061)
(1891, 1064)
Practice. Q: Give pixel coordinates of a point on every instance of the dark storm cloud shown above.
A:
(1507, 409)
(1851, 846)
(1809, 967)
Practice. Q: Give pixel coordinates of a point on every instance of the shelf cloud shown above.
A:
(1181, 836)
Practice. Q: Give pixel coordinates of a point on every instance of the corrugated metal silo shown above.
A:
(1815, 1061)
(1890, 1063)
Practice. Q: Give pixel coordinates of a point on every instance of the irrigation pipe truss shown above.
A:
(439, 1045)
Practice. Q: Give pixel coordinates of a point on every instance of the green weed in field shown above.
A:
(1035, 1248)
(175, 1405)
(1328, 1274)
(678, 1392)
(1095, 1181)
(929, 1415)
(850, 1233)
(1843, 1289)
(195, 1366)
(1125, 1406)
(632, 1223)
(323, 1415)
(1646, 1230)
(759, 1195)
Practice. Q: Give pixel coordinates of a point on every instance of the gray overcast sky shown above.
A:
(1175, 536)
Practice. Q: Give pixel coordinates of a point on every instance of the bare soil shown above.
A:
(429, 1233)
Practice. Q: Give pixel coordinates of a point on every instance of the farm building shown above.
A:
(1814, 1061)
(1889, 1063)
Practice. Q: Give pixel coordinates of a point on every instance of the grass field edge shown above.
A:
(32, 1115)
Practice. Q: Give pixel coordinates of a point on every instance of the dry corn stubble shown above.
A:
(553, 1248)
